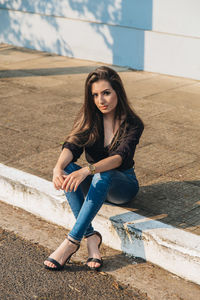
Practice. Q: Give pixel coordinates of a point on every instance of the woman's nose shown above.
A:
(101, 99)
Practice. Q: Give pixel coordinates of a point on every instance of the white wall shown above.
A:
(179, 17)
(153, 35)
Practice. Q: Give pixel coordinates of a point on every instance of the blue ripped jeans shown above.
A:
(117, 187)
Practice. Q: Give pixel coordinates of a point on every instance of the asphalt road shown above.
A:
(23, 276)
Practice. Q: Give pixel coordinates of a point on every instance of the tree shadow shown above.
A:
(119, 26)
(125, 42)
(12, 30)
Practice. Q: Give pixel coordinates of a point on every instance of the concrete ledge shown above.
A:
(173, 249)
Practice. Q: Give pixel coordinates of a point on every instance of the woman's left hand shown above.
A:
(73, 180)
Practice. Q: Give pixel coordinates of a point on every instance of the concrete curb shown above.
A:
(173, 249)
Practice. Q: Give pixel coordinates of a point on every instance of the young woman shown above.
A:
(108, 130)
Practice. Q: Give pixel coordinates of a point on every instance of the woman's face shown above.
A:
(104, 97)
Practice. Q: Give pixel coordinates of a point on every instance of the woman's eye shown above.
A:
(106, 93)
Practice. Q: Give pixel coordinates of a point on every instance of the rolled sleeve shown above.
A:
(76, 150)
(126, 147)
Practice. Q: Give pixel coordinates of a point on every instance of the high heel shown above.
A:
(57, 264)
(92, 259)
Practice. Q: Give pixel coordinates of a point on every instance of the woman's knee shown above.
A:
(118, 201)
(120, 195)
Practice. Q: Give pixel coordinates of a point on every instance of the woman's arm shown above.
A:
(73, 180)
(108, 163)
(64, 159)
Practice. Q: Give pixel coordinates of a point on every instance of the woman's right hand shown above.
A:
(58, 178)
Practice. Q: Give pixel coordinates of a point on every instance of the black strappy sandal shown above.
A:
(92, 259)
(59, 267)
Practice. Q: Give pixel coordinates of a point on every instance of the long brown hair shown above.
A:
(88, 122)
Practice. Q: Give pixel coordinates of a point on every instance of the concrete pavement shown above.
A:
(27, 240)
(40, 96)
(23, 276)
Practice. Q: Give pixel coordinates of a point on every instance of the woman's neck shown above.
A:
(109, 117)
(109, 120)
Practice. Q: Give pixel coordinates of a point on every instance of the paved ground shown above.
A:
(40, 95)
(26, 241)
(23, 276)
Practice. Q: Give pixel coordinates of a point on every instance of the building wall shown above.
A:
(153, 35)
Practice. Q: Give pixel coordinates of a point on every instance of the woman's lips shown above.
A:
(103, 107)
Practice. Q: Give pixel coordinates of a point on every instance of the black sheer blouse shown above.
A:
(125, 147)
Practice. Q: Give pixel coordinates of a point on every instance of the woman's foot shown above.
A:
(68, 247)
(93, 244)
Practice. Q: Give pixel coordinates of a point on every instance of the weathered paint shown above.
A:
(172, 249)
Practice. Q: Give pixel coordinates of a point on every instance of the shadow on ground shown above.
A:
(173, 203)
(46, 71)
